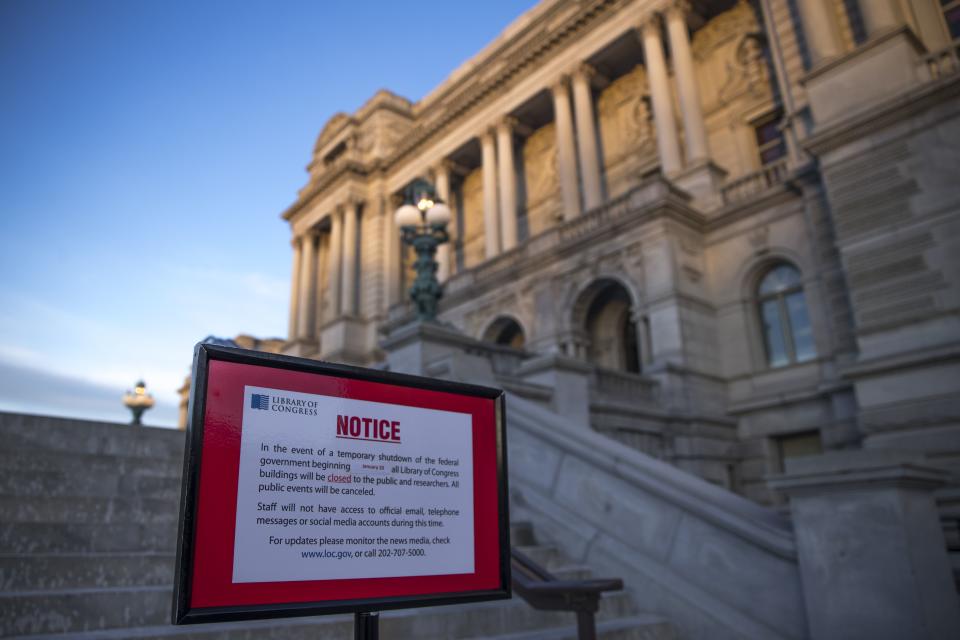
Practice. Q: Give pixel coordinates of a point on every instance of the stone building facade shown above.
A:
(742, 215)
(242, 341)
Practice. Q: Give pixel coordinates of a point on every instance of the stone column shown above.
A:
(587, 137)
(566, 150)
(667, 143)
(308, 286)
(508, 184)
(880, 15)
(321, 260)
(820, 29)
(294, 290)
(391, 254)
(441, 175)
(491, 217)
(873, 560)
(335, 254)
(348, 293)
(693, 126)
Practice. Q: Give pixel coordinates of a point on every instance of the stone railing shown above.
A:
(751, 184)
(943, 63)
(506, 360)
(678, 541)
(621, 385)
(647, 442)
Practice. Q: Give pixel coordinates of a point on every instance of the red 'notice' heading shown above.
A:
(359, 428)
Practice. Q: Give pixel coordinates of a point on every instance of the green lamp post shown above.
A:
(422, 220)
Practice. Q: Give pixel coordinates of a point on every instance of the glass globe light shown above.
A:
(438, 214)
(407, 216)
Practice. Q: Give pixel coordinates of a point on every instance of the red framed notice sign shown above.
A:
(312, 488)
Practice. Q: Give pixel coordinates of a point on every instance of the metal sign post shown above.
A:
(366, 626)
(313, 488)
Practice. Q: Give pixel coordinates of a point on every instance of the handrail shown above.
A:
(542, 590)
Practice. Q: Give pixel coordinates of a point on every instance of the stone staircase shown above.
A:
(88, 515)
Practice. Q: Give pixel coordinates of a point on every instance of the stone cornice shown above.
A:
(342, 171)
(500, 69)
(499, 66)
(883, 365)
(889, 113)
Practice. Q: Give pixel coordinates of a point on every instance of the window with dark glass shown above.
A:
(798, 445)
(951, 13)
(787, 334)
(770, 142)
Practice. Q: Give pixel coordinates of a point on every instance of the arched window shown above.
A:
(505, 331)
(787, 334)
(610, 329)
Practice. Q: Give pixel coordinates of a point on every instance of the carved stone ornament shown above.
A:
(540, 165)
(759, 238)
(333, 126)
(725, 27)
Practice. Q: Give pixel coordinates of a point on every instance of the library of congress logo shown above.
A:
(283, 404)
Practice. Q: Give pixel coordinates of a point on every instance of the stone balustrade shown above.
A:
(942, 63)
(749, 185)
(622, 385)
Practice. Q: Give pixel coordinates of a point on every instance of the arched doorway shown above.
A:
(603, 314)
(505, 331)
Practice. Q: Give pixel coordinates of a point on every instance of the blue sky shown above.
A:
(147, 149)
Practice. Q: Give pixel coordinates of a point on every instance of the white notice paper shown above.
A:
(332, 488)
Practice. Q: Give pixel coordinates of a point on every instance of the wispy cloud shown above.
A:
(91, 355)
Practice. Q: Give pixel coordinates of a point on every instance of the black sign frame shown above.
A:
(204, 354)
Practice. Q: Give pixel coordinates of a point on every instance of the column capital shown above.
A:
(445, 165)
(583, 71)
(649, 23)
(590, 75)
(488, 134)
(675, 8)
(352, 200)
(454, 167)
(507, 122)
(560, 86)
(394, 201)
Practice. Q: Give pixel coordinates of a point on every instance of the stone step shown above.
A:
(91, 570)
(546, 555)
(29, 461)
(73, 537)
(88, 510)
(521, 533)
(74, 611)
(20, 431)
(30, 612)
(85, 571)
(572, 572)
(638, 627)
(87, 483)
